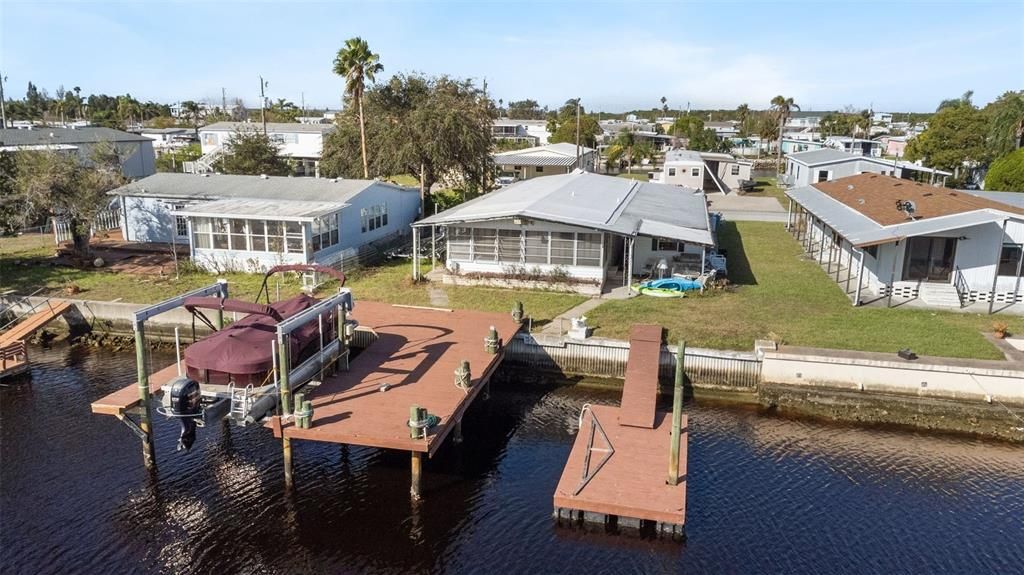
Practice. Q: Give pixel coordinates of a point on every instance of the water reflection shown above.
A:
(765, 494)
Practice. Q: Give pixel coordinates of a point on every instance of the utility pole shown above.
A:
(3, 107)
(577, 133)
(263, 104)
(223, 101)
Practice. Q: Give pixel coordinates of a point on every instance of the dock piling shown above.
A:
(491, 341)
(416, 483)
(148, 450)
(677, 415)
(517, 312)
(463, 376)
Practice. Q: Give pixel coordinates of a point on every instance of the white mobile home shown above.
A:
(546, 160)
(302, 144)
(708, 171)
(253, 222)
(888, 237)
(595, 231)
(827, 164)
(135, 152)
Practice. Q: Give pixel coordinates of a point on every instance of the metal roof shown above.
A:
(608, 203)
(684, 156)
(44, 136)
(822, 156)
(560, 154)
(282, 210)
(223, 187)
(277, 127)
(1013, 199)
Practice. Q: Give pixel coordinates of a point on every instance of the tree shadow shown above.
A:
(730, 242)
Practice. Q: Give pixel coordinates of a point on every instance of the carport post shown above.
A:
(860, 278)
(789, 215)
(995, 274)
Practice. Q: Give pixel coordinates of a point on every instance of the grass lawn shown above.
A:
(389, 283)
(770, 188)
(780, 292)
(635, 176)
(405, 180)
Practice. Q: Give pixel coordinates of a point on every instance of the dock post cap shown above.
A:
(463, 377)
(491, 343)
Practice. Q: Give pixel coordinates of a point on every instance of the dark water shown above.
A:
(766, 495)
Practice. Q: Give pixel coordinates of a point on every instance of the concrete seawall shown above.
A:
(975, 396)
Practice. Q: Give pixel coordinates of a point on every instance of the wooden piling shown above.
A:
(677, 415)
(416, 480)
(148, 449)
(287, 446)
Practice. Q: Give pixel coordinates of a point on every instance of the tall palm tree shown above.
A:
(357, 64)
(627, 140)
(743, 113)
(193, 110)
(783, 108)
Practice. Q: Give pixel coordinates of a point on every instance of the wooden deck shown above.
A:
(13, 359)
(127, 397)
(640, 390)
(416, 353)
(27, 326)
(632, 483)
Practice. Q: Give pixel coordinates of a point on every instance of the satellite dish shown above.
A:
(907, 206)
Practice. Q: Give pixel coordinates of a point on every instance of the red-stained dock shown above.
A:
(416, 353)
(631, 486)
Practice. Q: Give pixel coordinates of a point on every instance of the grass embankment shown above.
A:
(390, 283)
(781, 292)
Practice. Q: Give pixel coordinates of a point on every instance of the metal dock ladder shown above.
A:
(241, 401)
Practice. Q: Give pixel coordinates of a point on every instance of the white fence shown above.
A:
(109, 219)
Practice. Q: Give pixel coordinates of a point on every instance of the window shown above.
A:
(540, 169)
(695, 172)
(484, 244)
(563, 245)
(293, 237)
(872, 251)
(275, 237)
(509, 246)
(210, 139)
(284, 138)
(1010, 259)
(588, 249)
(258, 235)
(325, 232)
(798, 171)
(180, 222)
(823, 175)
(460, 242)
(238, 239)
(671, 171)
(666, 245)
(220, 233)
(735, 169)
(536, 247)
(374, 217)
(201, 228)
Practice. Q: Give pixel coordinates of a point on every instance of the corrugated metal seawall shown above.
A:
(607, 358)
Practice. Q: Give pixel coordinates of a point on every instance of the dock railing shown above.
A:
(600, 357)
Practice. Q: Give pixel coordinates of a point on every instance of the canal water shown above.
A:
(766, 495)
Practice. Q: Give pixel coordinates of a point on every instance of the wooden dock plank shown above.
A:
(128, 397)
(416, 353)
(27, 326)
(632, 482)
(640, 390)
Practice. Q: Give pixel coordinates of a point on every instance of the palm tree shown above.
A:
(783, 108)
(357, 64)
(627, 140)
(78, 98)
(743, 112)
(767, 129)
(193, 110)
(664, 104)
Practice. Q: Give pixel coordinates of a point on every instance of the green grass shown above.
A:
(405, 180)
(25, 268)
(769, 187)
(780, 292)
(635, 176)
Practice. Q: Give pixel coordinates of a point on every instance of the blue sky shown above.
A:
(897, 56)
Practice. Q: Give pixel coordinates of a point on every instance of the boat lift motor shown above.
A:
(186, 405)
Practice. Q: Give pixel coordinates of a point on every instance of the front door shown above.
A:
(929, 259)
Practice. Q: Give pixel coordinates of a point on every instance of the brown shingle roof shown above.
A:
(875, 196)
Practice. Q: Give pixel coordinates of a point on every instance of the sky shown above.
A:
(615, 56)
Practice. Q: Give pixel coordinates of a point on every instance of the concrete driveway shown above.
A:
(747, 208)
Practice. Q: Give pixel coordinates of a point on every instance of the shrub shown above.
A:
(1007, 173)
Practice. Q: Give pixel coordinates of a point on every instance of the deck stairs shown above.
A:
(204, 164)
(939, 294)
(28, 325)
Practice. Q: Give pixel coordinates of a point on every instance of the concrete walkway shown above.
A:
(747, 208)
(560, 324)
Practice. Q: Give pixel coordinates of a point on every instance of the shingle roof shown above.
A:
(277, 127)
(560, 154)
(607, 203)
(45, 136)
(863, 209)
(222, 187)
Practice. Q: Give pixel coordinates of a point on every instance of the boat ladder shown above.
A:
(241, 401)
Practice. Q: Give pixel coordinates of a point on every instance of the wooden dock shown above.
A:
(127, 398)
(38, 320)
(415, 355)
(617, 470)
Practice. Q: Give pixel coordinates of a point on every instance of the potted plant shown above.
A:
(1000, 329)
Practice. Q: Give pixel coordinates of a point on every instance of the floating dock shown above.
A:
(618, 472)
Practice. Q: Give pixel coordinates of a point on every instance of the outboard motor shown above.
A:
(186, 405)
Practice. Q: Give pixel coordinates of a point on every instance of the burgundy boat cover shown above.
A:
(235, 305)
(243, 348)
